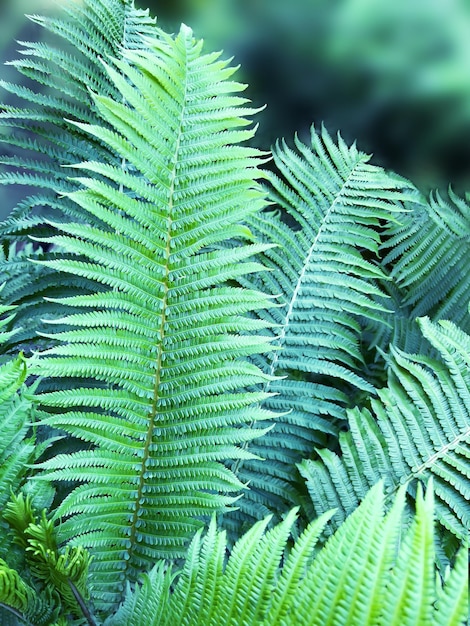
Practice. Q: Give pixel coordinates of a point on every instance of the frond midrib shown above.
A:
(430, 463)
(305, 265)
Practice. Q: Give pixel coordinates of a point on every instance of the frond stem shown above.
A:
(81, 603)
(16, 613)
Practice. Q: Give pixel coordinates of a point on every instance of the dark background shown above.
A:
(392, 74)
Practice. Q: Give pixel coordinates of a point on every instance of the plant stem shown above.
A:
(16, 613)
(81, 603)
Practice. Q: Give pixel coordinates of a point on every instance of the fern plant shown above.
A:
(198, 338)
(418, 427)
(166, 313)
(329, 586)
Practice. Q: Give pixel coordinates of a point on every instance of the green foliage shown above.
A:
(418, 428)
(190, 345)
(426, 254)
(325, 268)
(44, 139)
(64, 573)
(359, 577)
(46, 144)
(162, 310)
(19, 446)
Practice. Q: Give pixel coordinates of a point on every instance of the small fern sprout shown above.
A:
(64, 571)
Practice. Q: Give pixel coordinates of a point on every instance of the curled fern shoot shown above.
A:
(59, 578)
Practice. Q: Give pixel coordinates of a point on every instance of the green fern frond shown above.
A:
(88, 33)
(425, 255)
(326, 272)
(150, 598)
(378, 584)
(14, 592)
(429, 252)
(17, 447)
(452, 598)
(27, 284)
(372, 572)
(208, 590)
(58, 74)
(23, 605)
(6, 334)
(413, 574)
(419, 427)
(160, 404)
(338, 200)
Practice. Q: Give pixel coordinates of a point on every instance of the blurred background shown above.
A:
(392, 74)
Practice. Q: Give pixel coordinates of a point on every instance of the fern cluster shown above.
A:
(223, 383)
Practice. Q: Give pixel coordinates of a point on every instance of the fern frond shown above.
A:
(6, 335)
(19, 447)
(149, 599)
(429, 252)
(420, 427)
(425, 255)
(365, 574)
(89, 32)
(16, 444)
(413, 575)
(14, 592)
(161, 366)
(58, 75)
(28, 284)
(453, 597)
(326, 271)
(21, 604)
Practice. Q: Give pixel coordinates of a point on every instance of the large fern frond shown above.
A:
(370, 572)
(166, 335)
(419, 427)
(326, 270)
